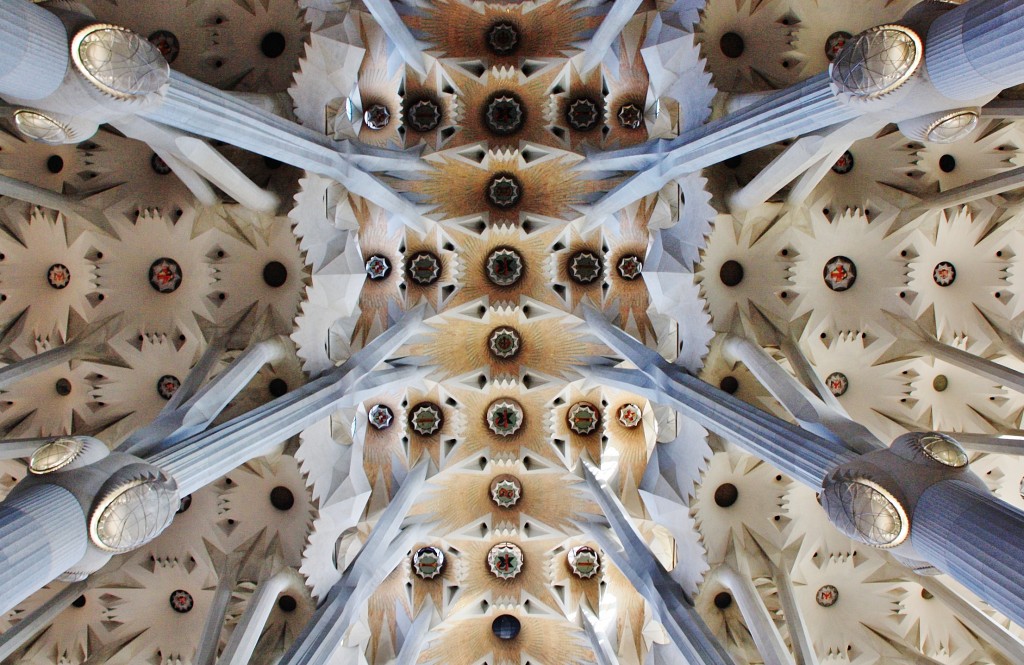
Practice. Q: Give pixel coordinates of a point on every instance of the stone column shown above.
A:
(40, 362)
(974, 50)
(802, 455)
(609, 30)
(975, 619)
(388, 543)
(36, 621)
(183, 418)
(383, 11)
(803, 646)
(670, 604)
(604, 653)
(34, 52)
(203, 110)
(416, 636)
(805, 107)
(20, 449)
(247, 633)
(1007, 444)
(975, 538)
(42, 534)
(811, 412)
(979, 189)
(202, 458)
(766, 635)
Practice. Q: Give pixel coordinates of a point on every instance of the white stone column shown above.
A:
(383, 11)
(983, 367)
(670, 604)
(1007, 444)
(416, 636)
(604, 653)
(979, 189)
(972, 617)
(804, 456)
(183, 419)
(34, 51)
(387, 545)
(37, 620)
(42, 534)
(209, 640)
(766, 635)
(974, 50)
(611, 27)
(200, 109)
(976, 539)
(803, 647)
(247, 633)
(805, 107)
(202, 458)
(91, 341)
(813, 414)
(20, 449)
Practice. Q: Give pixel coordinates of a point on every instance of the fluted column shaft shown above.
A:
(802, 455)
(975, 619)
(975, 538)
(812, 413)
(974, 50)
(42, 534)
(34, 51)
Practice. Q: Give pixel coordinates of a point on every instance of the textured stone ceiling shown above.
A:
(505, 263)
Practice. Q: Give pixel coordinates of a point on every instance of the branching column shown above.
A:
(247, 633)
(804, 107)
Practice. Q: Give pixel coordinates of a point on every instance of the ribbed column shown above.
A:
(201, 459)
(247, 633)
(975, 49)
(976, 539)
(203, 110)
(41, 361)
(34, 50)
(181, 420)
(803, 646)
(981, 623)
(812, 413)
(802, 455)
(610, 29)
(37, 620)
(805, 107)
(631, 555)
(384, 548)
(383, 11)
(760, 624)
(42, 534)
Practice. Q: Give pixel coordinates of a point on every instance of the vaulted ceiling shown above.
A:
(505, 265)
